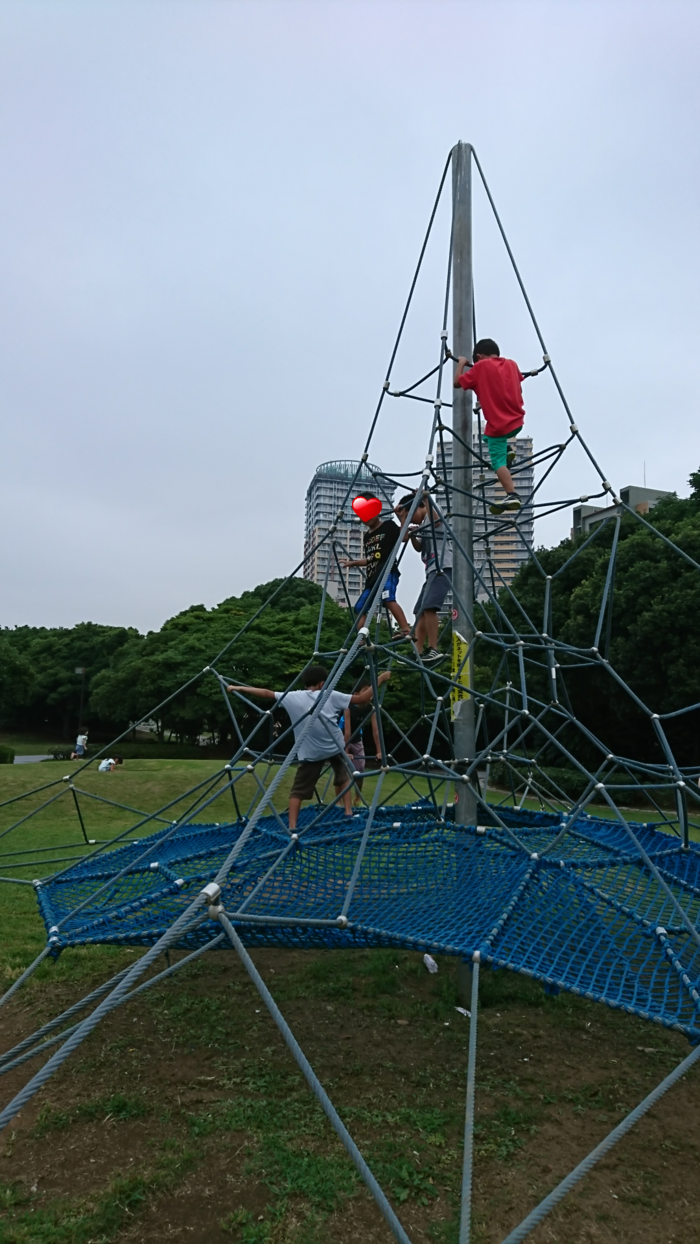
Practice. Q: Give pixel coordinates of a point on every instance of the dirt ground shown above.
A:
(184, 1118)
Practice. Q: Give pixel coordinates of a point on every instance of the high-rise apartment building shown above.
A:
(328, 504)
(500, 547)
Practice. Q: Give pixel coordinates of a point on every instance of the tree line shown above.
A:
(650, 632)
(650, 635)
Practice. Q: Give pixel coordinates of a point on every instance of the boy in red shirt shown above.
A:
(496, 382)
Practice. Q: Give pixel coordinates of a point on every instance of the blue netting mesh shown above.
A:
(591, 919)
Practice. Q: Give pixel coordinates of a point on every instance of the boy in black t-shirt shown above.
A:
(378, 544)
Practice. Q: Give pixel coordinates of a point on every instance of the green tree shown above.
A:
(45, 691)
(654, 640)
(273, 649)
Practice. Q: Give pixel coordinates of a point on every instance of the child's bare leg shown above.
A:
(397, 612)
(421, 633)
(294, 808)
(347, 798)
(431, 626)
(361, 621)
(505, 479)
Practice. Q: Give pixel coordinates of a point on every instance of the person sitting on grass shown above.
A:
(108, 764)
(496, 382)
(323, 743)
(430, 538)
(378, 545)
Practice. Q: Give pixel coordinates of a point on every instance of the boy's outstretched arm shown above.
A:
(461, 367)
(365, 695)
(261, 691)
(361, 561)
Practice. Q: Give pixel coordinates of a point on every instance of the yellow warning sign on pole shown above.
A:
(460, 672)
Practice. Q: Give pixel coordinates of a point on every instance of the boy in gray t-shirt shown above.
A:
(323, 742)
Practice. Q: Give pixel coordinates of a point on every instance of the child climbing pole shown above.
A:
(497, 385)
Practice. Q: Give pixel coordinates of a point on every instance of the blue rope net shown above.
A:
(589, 919)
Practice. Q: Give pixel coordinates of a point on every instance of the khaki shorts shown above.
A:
(309, 771)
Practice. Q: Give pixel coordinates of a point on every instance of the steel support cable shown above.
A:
(261, 787)
(342, 576)
(492, 599)
(154, 711)
(62, 1036)
(146, 717)
(230, 711)
(550, 1202)
(593, 536)
(26, 974)
(411, 292)
(80, 815)
(192, 811)
(531, 312)
(500, 613)
(324, 591)
(468, 1156)
(181, 925)
(362, 847)
(35, 811)
(61, 1019)
(113, 804)
(207, 781)
(315, 1085)
(407, 392)
(608, 583)
(35, 791)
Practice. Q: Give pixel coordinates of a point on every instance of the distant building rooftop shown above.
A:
(586, 517)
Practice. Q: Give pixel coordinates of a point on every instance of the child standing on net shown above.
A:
(322, 743)
(378, 546)
(497, 384)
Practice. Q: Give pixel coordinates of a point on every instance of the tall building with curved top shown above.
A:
(328, 503)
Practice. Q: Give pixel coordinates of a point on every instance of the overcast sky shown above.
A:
(209, 215)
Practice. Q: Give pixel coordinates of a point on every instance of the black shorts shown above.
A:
(309, 771)
(434, 591)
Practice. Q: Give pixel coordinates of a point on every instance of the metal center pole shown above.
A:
(463, 521)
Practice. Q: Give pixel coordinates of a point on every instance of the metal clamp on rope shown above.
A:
(210, 894)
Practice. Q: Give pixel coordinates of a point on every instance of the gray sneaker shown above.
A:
(433, 657)
(511, 501)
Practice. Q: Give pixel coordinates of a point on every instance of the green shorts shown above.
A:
(498, 448)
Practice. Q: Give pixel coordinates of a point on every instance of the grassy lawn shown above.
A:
(183, 1116)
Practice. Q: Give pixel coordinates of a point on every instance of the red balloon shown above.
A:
(367, 508)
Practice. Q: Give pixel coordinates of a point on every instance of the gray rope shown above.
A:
(26, 974)
(315, 1085)
(61, 1036)
(61, 1019)
(550, 1202)
(84, 1029)
(465, 1224)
